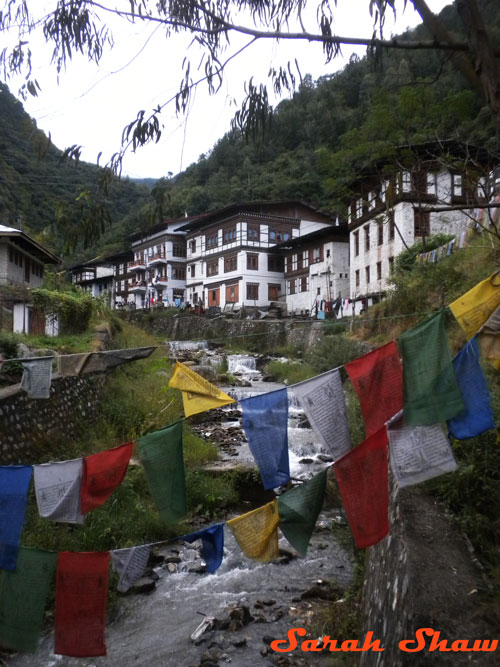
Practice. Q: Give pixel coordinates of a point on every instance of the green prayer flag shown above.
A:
(22, 598)
(298, 510)
(162, 457)
(430, 389)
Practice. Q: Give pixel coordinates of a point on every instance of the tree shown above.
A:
(72, 26)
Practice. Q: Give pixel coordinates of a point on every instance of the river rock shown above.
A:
(145, 584)
(323, 590)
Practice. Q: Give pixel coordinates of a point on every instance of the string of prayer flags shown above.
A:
(130, 564)
(362, 477)
(58, 489)
(102, 473)
(162, 457)
(23, 595)
(14, 483)
(298, 510)
(198, 394)
(377, 378)
(257, 532)
(478, 416)
(430, 390)
(474, 307)
(489, 339)
(37, 377)
(99, 362)
(323, 400)
(418, 453)
(265, 421)
(81, 590)
(212, 539)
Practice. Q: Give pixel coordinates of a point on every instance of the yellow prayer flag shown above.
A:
(257, 532)
(198, 394)
(474, 307)
(489, 339)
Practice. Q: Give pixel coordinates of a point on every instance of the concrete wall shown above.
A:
(27, 425)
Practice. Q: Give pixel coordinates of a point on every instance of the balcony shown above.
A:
(137, 265)
(159, 281)
(159, 258)
(137, 286)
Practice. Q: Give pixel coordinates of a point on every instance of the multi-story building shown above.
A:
(159, 264)
(22, 258)
(429, 190)
(232, 258)
(317, 270)
(96, 278)
(122, 277)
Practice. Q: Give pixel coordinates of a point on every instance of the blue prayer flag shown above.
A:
(14, 482)
(213, 545)
(265, 420)
(478, 416)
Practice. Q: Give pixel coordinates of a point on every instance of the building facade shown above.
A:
(22, 259)
(232, 256)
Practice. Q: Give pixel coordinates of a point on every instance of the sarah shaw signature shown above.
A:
(419, 643)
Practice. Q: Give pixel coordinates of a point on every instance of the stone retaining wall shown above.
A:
(27, 425)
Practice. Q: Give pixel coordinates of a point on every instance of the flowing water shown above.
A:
(154, 630)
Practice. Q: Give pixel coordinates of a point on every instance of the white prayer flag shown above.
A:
(418, 453)
(130, 565)
(58, 488)
(322, 399)
(37, 377)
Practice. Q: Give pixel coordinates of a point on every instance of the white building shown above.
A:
(390, 213)
(232, 259)
(95, 278)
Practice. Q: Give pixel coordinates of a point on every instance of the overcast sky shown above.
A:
(90, 105)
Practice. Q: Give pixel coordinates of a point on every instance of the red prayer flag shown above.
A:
(81, 591)
(377, 378)
(363, 482)
(102, 473)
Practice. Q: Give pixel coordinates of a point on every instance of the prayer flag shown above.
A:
(489, 339)
(23, 594)
(377, 378)
(362, 477)
(257, 532)
(58, 489)
(130, 564)
(322, 399)
(99, 362)
(430, 389)
(163, 461)
(212, 539)
(418, 453)
(474, 307)
(14, 483)
(102, 473)
(81, 591)
(298, 510)
(198, 394)
(37, 376)
(478, 416)
(265, 420)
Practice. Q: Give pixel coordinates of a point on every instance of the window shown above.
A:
(316, 255)
(392, 225)
(294, 262)
(391, 264)
(359, 208)
(193, 270)
(291, 286)
(367, 274)
(406, 181)
(192, 245)
(380, 232)
(457, 185)
(278, 235)
(357, 278)
(252, 291)
(372, 200)
(275, 263)
(305, 259)
(421, 222)
(211, 241)
(253, 232)
(379, 270)
(230, 263)
(367, 238)
(304, 284)
(229, 235)
(178, 250)
(356, 243)
(273, 292)
(213, 268)
(328, 252)
(231, 293)
(431, 183)
(179, 273)
(252, 262)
